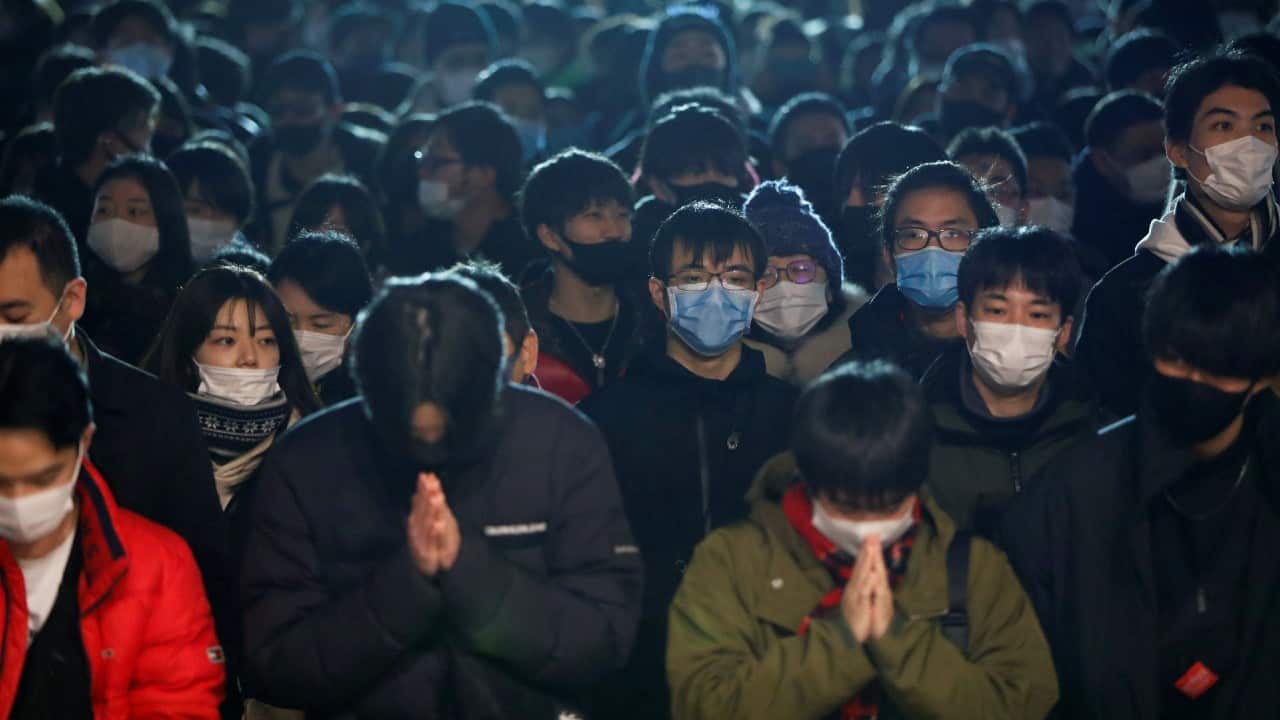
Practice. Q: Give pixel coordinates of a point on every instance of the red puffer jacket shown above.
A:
(144, 619)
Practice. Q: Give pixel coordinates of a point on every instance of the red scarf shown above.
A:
(798, 507)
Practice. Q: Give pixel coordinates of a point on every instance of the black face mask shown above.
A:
(709, 191)
(601, 263)
(298, 139)
(956, 115)
(814, 171)
(859, 240)
(693, 76)
(1190, 412)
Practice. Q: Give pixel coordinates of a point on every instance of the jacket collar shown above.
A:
(104, 394)
(106, 559)
(1188, 225)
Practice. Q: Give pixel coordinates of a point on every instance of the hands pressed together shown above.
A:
(434, 538)
(868, 602)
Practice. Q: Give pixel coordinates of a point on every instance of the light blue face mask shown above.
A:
(149, 61)
(533, 138)
(928, 277)
(710, 321)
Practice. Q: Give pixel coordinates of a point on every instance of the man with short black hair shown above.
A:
(1220, 135)
(519, 337)
(693, 419)
(805, 137)
(1051, 194)
(98, 115)
(1141, 60)
(515, 86)
(1009, 400)
(577, 207)
(832, 599)
(1149, 550)
(996, 161)
(980, 87)
(458, 42)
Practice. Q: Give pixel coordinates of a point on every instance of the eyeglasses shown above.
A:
(432, 164)
(695, 280)
(918, 238)
(800, 272)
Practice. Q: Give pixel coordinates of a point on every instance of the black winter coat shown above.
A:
(1080, 540)
(881, 330)
(541, 602)
(686, 450)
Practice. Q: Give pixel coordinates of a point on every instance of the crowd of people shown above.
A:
(613, 359)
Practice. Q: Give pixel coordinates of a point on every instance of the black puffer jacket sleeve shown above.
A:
(578, 623)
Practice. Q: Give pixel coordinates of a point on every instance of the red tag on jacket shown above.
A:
(1196, 681)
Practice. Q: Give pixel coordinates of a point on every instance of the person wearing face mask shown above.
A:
(344, 204)
(141, 35)
(980, 87)
(868, 163)
(1149, 549)
(218, 196)
(83, 574)
(1051, 193)
(801, 322)
(458, 42)
(577, 206)
(806, 135)
(43, 293)
(515, 86)
(1220, 134)
(469, 172)
(996, 161)
(227, 343)
(359, 41)
(448, 542)
(1122, 176)
(930, 216)
(300, 93)
(786, 65)
(138, 255)
(837, 596)
(323, 283)
(98, 115)
(1008, 401)
(693, 419)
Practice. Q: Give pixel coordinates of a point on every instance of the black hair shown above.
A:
(876, 155)
(568, 184)
(329, 267)
(238, 253)
(814, 103)
(862, 435)
(191, 319)
(984, 10)
(1056, 9)
(552, 21)
(1118, 112)
(42, 230)
(1041, 259)
(989, 61)
(1190, 83)
(32, 150)
(505, 18)
(937, 15)
(175, 109)
(396, 169)
(303, 71)
(504, 73)
(43, 388)
(454, 23)
(92, 101)
(363, 216)
(488, 276)
(945, 176)
(1137, 52)
(429, 339)
(483, 136)
(706, 228)
(1043, 139)
(710, 98)
(224, 70)
(1217, 309)
(353, 16)
(369, 116)
(692, 139)
(56, 64)
(224, 180)
(172, 262)
(992, 141)
(158, 16)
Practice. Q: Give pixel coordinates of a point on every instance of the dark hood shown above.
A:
(651, 75)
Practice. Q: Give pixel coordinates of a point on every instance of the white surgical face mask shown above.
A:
(240, 386)
(850, 535)
(789, 310)
(1008, 216)
(123, 245)
(321, 352)
(32, 517)
(208, 237)
(454, 86)
(1051, 212)
(1149, 181)
(1012, 356)
(433, 198)
(1240, 172)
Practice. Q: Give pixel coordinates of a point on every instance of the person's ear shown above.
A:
(1064, 335)
(658, 294)
(73, 300)
(549, 239)
(86, 438)
(961, 314)
(528, 360)
(1177, 153)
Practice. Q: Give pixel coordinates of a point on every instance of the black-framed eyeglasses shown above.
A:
(431, 164)
(696, 280)
(918, 238)
(800, 272)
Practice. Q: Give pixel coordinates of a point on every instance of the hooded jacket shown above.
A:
(978, 465)
(734, 651)
(809, 356)
(1081, 540)
(143, 617)
(1107, 222)
(1110, 348)
(881, 330)
(541, 601)
(685, 449)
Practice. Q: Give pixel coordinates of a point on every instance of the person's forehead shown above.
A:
(1247, 102)
(988, 166)
(692, 36)
(938, 204)
(518, 92)
(296, 299)
(1140, 136)
(236, 312)
(465, 50)
(815, 122)
(682, 256)
(287, 95)
(440, 143)
(124, 188)
(24, 451)
(133, 28)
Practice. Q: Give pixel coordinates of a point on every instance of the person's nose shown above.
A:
(248, 356)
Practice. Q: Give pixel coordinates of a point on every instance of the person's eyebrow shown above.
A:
(228, 328)
(1265, 113)
(1221, 111)
(13, 304)
(322, 315)
(1042, 300)
(993, 295)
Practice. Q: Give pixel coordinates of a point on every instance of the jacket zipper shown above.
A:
(1015, 471)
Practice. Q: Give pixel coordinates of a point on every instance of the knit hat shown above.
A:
(452, 23)
(791, 227)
